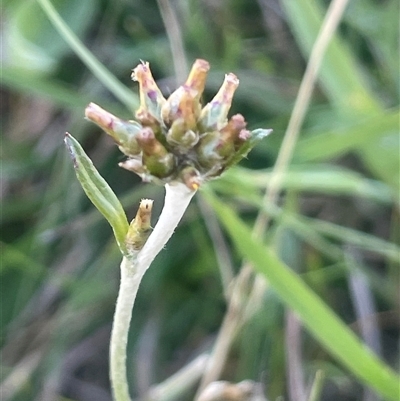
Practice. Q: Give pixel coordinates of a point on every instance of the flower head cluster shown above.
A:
(176, 139)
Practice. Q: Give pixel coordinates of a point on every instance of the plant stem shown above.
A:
(328, 28)
(174, 33)
(177, 199)
(130, 280)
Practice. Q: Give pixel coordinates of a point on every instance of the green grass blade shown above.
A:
(351, 94)
(340, 73)
(316, 316)
(314, 231)
(121, 92)
(14, 257)
(319, 179)
(368, 242)
(57, 92)
(98, 191)
(341, 140)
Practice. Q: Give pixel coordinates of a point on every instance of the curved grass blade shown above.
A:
(120, 91)
(317, 178)
(316, 316)
(340, 72)
(98, 191)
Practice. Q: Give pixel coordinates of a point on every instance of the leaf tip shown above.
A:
(261, 133)
(68, 140)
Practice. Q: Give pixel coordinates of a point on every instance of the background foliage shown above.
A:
(336, 224)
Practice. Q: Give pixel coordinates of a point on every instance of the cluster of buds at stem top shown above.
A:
(177, 139)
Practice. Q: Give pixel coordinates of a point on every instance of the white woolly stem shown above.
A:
(177, 199)
(130, 280)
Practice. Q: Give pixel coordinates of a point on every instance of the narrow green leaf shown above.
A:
(31, 43)
(313, 231)
(14, 257)
(45, 87)
(350, 93)
(120, 91)
(340, 73)
(359, 133)
(382, 157)
(316, 389)
(98, 191)
(362, 240)
(316, 316)
(319, 178)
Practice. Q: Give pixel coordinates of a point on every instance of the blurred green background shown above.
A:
(337, 223)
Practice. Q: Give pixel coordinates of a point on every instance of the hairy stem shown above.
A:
(177, 199)
(130, 280)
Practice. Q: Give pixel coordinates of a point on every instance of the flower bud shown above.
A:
(207, 154)
(176, 139)
(221, 147)
(123, 132)
(218, 146)
(147, 120)
(180, 137)
(136, 166)
(191, 177)
(151, 98)
(155, 157)
(214, 114)
(249, 139)
(140, 227)
(234, 131)
(133, 164)
(181, 105)
(184, 103)
(197, 78)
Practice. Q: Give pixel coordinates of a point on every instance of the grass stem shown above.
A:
(328, 28)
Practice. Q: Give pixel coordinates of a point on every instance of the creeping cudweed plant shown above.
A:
(174, 142)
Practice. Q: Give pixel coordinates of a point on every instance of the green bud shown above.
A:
(184, 103)
(180, 137)
(234, 130)
(181, 105)
(215, 148)
(133, 164)
(151, 98)
(175, 138)
(140, 227)
(123, 132)
(197, 78)
(214, 114)
(206, 150)
(155, 156)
